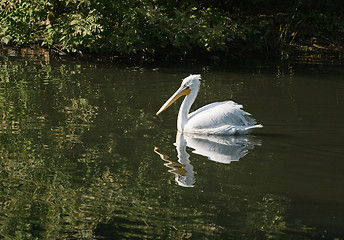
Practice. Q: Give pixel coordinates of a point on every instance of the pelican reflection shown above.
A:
(222, 149)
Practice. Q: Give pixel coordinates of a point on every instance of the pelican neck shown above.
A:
(183, 115)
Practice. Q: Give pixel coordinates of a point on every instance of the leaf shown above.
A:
(6, 39)
(74, 22)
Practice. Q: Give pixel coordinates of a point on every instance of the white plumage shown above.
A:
(219, 118)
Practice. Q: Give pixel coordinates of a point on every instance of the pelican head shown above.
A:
(189, 85)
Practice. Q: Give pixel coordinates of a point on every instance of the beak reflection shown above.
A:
(221, 149)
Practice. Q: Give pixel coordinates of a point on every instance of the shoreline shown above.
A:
(315, 54)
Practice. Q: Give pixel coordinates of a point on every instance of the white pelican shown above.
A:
(218, 118)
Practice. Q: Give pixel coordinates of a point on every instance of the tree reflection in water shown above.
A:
(76, 162)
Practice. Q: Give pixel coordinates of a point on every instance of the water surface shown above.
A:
(84, 156)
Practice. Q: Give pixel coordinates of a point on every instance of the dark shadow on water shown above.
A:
(272, 135)
(120, 228)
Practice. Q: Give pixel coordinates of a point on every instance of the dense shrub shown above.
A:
(122, 26)
(150, 26)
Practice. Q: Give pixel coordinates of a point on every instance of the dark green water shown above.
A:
(77, 157)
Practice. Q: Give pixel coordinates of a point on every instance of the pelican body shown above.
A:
(218, 118)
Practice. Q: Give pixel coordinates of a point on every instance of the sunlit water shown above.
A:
(83, 155)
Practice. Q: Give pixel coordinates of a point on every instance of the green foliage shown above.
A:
(20, 21)
(129, 27)
(123, 27)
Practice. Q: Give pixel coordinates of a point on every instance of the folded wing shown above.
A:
(221, 115)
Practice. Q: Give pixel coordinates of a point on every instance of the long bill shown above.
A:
(180, 92)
